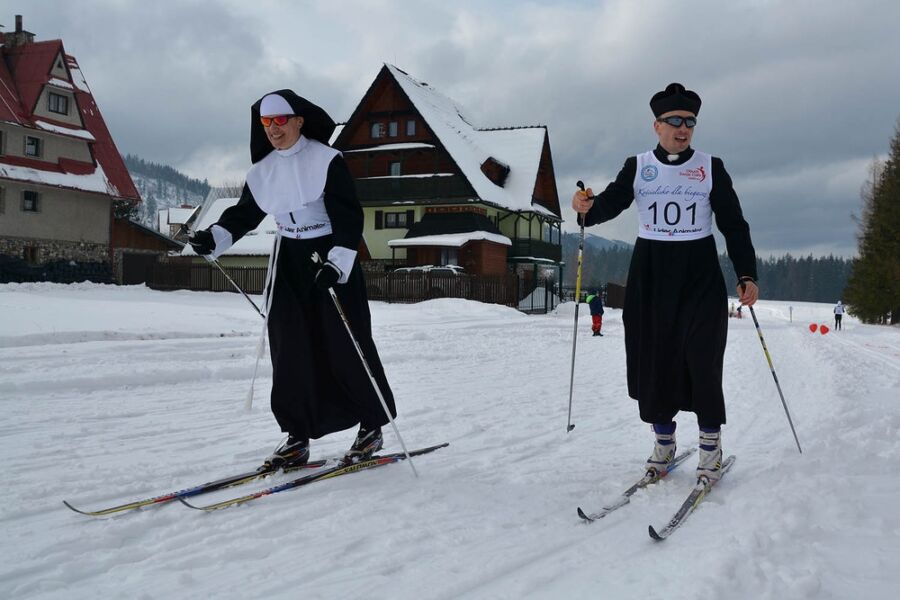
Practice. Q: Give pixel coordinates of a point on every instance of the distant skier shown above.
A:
(838, 315)
(676, 309)
(595, 303)
(319, 384)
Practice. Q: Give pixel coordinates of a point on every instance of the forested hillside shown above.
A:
(786, 277)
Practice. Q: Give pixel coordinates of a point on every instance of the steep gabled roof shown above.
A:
(518, 148)
(500, 165)
(29, 70)
(10, 106)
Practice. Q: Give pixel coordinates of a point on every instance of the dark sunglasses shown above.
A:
(689, 122)
(280, 120)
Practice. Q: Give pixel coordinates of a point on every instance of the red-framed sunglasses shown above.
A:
(280, 120)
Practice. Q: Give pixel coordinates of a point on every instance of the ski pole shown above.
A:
(215, 261)
(570, 426)
(337, 304)
(774, 376)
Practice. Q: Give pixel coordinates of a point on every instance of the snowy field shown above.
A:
(111, 394)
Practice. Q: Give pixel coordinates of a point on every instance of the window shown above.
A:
(449, 256)
(393, 128)
(58, 103)
(395, 169)
(1, 142)
(30, 201)
(2, 200)
(30, 254)
(410, 128)
(32, 146)
(397, 220)
(377, 130)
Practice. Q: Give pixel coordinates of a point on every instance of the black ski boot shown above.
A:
(367, 443)
(293, 452)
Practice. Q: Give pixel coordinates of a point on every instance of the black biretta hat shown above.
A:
(674, 97)
(317, 125)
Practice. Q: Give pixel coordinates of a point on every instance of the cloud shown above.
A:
(797, 97)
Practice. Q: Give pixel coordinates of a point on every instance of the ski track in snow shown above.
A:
(118, 393)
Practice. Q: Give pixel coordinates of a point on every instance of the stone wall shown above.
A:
(55, 250)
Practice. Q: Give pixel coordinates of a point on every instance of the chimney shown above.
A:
(19, 37)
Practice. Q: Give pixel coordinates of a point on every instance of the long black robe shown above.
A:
(675, 315)
(319, 383)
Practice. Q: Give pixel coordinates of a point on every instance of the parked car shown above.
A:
(431, 281)
(433, 270)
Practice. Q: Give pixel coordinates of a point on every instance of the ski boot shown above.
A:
(710, 466)
(663, 449)
(292, 452)
(367, 443)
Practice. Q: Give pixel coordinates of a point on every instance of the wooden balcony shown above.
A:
(400, 189)
(536, 249)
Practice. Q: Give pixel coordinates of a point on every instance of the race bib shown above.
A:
(673, 200)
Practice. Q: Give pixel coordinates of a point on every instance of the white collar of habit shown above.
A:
(287, 180)
(298, 146)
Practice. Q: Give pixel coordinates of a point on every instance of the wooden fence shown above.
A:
(387, 287)
(415, 287)
(188, 276)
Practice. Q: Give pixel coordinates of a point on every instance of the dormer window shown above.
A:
(32, 146)
(58, 103)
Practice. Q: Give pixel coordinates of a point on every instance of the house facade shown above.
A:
(60, 171)
(437, 190)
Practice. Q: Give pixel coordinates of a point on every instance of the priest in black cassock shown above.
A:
(319, 384)
(675, 314)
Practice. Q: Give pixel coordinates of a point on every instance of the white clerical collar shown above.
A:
(673, 157)
(299, 145)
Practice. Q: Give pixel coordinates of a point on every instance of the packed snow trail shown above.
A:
(116, 393)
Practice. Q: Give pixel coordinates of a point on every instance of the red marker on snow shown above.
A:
(813, 327)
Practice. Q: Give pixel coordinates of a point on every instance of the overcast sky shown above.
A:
(799, 96)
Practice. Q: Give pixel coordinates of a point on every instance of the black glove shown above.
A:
(327, 276)
(202, 242)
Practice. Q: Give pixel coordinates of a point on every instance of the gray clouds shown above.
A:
(798, 96)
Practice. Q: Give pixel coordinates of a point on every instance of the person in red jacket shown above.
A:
(595, 303)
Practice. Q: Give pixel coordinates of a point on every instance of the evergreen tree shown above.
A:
(873, 291)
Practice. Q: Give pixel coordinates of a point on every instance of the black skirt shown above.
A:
(319, 383)
(676, 326)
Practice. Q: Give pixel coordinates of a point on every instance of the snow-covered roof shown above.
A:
(91, 182)
(79, 133)
(258, 242)
(173, 216)
(451, 239)
(519, 148)
(25, 72)
(390, 147)
(413, 175)
(337, 131)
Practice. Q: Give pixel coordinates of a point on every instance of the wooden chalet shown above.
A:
(437, 190)
(60, 170)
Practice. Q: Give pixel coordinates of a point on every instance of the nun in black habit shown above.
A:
(675, 314)
(319, 384)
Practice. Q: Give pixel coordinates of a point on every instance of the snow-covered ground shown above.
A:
(111, 394)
